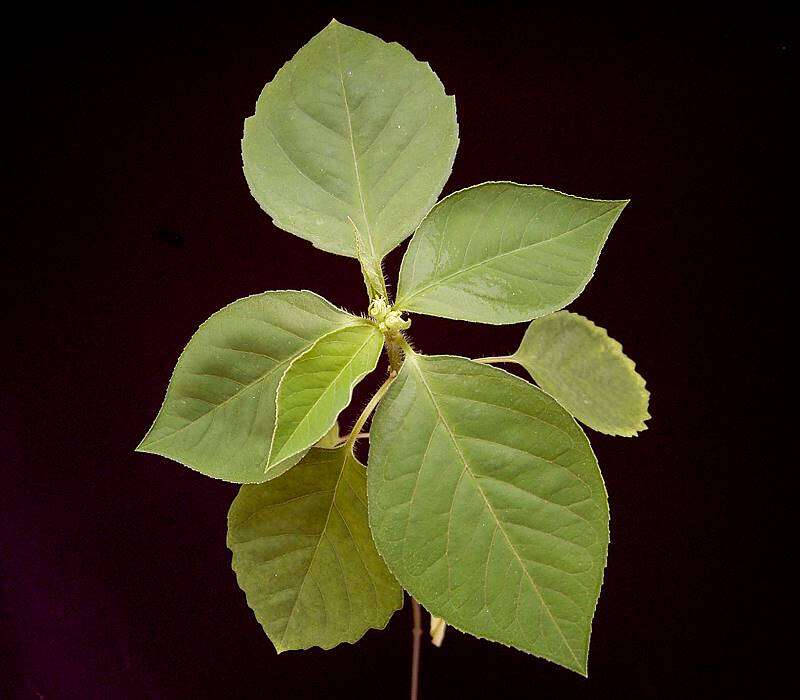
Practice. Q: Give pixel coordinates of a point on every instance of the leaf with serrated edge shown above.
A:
(318, 386)
(219, 412)
(352, 127)
(503, 253)
(586, 371)
(487, 504)
(304, 556)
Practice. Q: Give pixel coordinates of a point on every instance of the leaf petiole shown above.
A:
(345, 438)
(493, 360)
(355, 433)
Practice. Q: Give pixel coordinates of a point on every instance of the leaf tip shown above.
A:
(580, 664)
(142, 446)
(620, 204)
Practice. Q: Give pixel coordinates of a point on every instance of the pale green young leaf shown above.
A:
(371, 269)
(219, 412)
(503, 253)
(304, 556)
(318, 385)
(586, 371)
(487, 504)
(352, 127)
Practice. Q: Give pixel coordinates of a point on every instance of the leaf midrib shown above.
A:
(352, 142)
(316, 548)
(353, 539)
(490, 508)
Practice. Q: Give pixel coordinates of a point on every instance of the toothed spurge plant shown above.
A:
(481, 497)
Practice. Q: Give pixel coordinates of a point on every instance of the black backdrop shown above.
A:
(131, 223)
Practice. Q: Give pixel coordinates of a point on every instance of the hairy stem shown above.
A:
(395, 355)
(416, 633)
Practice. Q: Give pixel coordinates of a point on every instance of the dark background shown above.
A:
(131, 223)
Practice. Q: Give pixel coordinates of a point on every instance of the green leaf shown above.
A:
(219, 412)
(487, 504)
(576, 362)
(318, 386)
(503, 253)
(350, 127)
(304, 556)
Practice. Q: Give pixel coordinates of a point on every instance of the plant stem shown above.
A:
(396, 346)
(394, 351)
(355, 433)
(416, 634)
(492, 360)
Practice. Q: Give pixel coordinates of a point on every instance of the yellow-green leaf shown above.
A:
(586, 371)
(318, 385)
